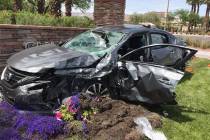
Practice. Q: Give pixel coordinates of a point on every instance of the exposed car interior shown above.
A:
(135, 42)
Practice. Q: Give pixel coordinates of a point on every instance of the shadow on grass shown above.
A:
(187, 76)
(176, 112)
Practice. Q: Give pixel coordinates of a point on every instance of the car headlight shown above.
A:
(3, 73)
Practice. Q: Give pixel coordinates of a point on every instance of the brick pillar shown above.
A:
(109, 12)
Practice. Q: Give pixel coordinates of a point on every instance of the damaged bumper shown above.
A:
(23, 99)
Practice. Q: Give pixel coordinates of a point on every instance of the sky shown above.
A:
(143, 6)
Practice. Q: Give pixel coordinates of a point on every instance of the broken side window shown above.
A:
(159, 38)
(134, 42)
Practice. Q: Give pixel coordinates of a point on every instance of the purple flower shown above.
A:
(73, 104)
(12, 122)
(10, 134)
(84, 127)
(45, 126)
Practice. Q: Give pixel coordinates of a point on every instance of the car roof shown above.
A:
(130, 28)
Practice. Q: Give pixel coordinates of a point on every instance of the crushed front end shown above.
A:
(40, 91)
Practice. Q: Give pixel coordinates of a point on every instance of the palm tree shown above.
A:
(17, 5)
(68, 5)
(206, 24)
(81, 4)
(41, 6)
(195, 8)
(195, 5)
(55, 7)
(37, 5)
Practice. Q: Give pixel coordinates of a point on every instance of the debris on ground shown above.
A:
(145, 127)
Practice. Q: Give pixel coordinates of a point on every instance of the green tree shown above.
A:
(41, 6)
(81, 4)
(136, 18)
(183, 16)
(193, 20)
(206, 23)
(68, 5)
(55, 7)
(195, 5)
(6, 4)
(152, 17)
(35, 6)
(17, 5)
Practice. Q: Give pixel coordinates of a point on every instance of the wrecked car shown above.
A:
(135, 63)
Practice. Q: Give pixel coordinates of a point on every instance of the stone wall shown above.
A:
(109, 12)
(13, 38)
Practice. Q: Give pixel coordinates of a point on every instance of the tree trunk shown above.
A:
(181, 27)
(189, 27)
(194, 8)
(55, 7)
(17, 5)
(198, 8)
(41, 6)
(207, 17)
(68, 5)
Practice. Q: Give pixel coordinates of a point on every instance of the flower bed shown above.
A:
(98, 118)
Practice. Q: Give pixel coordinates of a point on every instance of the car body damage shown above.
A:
(40, 58)
(150, 83)
(102, 61)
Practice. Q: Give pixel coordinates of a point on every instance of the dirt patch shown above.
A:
(114, 121)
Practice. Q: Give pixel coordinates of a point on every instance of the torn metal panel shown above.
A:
(153, 84)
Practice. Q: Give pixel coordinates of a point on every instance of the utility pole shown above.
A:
(167, 10)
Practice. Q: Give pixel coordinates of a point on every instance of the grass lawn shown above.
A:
(190, 119)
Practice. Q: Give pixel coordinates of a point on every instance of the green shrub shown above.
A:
(5, 17)
(151, 17)
(27, 18)
(196, 43)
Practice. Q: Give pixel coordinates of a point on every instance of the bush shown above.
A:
(27, 18)
(5, 17)
(198, 43)
(147, 17)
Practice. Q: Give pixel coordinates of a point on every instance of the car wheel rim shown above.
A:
(97, 89)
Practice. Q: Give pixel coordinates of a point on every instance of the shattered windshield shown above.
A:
(95, 42)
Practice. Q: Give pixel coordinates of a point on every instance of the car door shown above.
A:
(174, 56)
(152, 77)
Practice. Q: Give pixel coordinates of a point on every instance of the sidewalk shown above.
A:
(203, 53)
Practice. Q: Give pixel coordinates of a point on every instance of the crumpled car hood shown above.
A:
(49, 56)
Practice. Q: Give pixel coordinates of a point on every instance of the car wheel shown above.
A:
(95, 89)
